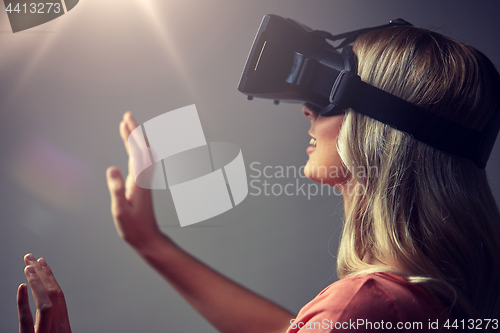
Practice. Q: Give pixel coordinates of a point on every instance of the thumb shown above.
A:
(116, 186)
(23, 309)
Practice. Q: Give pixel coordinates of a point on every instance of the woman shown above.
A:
(421, 230)
(426, 215)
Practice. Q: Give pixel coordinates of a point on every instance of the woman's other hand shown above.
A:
(131, 205)
(51, 311)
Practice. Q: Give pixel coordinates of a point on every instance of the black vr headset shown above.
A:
(291, 62)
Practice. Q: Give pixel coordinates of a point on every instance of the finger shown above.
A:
(51, 289)
(125, 130)
(23, 310)
(129, 121)
(116, 186)
(133, 192)
(127, 125)
(30, 260)
(62, 310)
(124, 135)
(42, 301)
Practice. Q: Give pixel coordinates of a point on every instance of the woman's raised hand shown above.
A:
(51, 312)
(131, 205)
(227, 305)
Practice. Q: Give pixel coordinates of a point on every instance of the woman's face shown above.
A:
(324, 164)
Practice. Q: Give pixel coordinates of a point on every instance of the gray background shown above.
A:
(64, 86)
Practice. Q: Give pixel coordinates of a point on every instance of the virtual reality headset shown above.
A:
(291, 62)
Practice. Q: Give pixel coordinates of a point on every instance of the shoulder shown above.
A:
(372, 298)
(381, 294)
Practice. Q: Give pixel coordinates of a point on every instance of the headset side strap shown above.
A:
(423, 125)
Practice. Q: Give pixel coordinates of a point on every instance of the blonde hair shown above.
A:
(425, 214)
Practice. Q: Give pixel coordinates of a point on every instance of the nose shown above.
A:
(309, 112)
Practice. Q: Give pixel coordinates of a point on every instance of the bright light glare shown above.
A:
(167, 41)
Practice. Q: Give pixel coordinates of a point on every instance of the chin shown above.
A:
(314, 173)
(308, 171)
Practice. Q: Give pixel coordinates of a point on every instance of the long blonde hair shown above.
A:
(425, 214)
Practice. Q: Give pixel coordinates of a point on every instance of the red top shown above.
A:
(374, 302)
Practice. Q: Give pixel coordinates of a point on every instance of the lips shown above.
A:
(312, 146)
